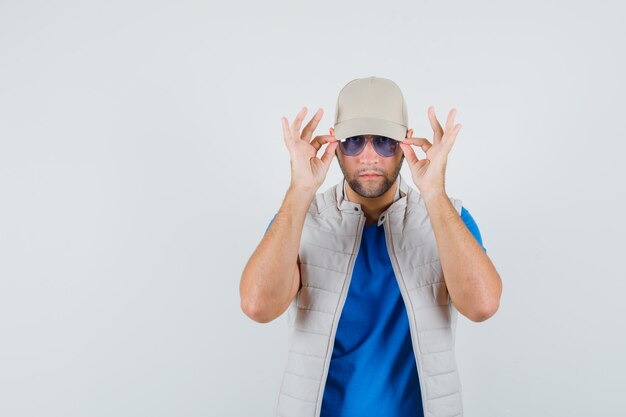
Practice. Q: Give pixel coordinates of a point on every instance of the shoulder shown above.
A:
(324, 200)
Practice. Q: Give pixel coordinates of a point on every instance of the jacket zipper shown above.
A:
(342, 300)
(412, 326)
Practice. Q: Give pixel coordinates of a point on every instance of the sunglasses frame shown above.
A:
(374, 145)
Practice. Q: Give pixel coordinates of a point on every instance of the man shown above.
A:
(372, 272)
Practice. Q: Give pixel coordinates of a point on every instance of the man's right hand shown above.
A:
(307, 170)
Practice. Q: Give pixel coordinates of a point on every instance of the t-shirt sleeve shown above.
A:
(472, 226)
(270, 223)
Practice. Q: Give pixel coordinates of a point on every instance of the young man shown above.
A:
(373, 273)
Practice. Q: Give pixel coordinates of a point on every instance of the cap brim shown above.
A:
(369, 126)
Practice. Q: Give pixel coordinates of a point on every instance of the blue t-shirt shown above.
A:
(372, 369)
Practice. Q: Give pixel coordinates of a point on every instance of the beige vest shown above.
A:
(330, 242)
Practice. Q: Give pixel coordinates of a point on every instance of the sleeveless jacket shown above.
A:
(329, 245)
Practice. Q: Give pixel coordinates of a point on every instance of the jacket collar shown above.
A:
(346, 205)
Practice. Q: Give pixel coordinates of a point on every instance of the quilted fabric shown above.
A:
(328, 249)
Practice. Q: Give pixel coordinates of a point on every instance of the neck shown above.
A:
(372, 207)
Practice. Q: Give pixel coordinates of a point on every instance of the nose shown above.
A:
(369, 153)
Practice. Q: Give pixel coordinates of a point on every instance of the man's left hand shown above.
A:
(429, 173)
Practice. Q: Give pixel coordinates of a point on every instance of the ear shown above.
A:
(332, 131)
(409, 133)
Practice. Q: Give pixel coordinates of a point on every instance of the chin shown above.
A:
(370, 189)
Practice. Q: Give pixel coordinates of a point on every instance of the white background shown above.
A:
(141, 159)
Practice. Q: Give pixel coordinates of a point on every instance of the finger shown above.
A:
(318, 141)
(451, 137)
(312, 125)
(409, 154)
(297, 122)
(434, 123)
(422, 142)
(329, 153)
(286, 131)
(450, 120)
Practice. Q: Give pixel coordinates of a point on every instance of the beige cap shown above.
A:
(371, 106)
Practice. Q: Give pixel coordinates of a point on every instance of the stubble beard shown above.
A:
(359, 187)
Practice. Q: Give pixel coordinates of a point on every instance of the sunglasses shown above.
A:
(383, 145)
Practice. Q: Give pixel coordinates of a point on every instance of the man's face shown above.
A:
(367, 162)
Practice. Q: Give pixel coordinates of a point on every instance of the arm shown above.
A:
(471, 278)
(472, 281)
(271, 278)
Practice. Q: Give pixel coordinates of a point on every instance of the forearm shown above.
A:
(267, 278)
(473, 283)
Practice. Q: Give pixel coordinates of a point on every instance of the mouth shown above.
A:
(370, 176)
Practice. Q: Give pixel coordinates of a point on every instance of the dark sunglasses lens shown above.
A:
(352, 146)
(385, 146)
